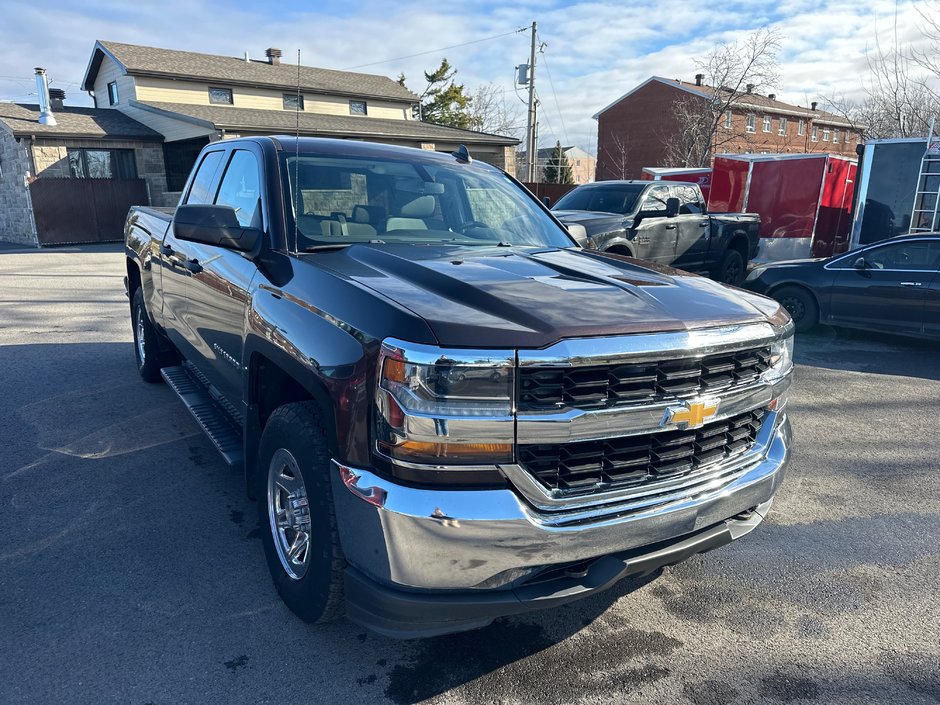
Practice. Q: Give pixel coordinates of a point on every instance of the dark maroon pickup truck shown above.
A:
(446, 410)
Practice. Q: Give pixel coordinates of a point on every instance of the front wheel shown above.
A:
(801, 306)
(295, 508)
(730, 269)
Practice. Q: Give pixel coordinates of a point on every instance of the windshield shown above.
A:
(340, 200)
(615, 198)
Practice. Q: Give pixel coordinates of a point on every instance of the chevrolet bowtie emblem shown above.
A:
(693, 414)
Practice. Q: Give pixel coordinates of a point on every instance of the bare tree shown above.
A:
(613, 162)
(491, 112)
(730, 72)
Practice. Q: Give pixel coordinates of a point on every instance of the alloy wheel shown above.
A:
(289, 513)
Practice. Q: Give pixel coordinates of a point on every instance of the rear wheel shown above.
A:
(730, 269)
(295, 506)
(150, 357)
(800, 304)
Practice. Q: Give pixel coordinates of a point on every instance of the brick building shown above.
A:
(634, 130)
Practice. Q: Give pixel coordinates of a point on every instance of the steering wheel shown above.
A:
(472, 224)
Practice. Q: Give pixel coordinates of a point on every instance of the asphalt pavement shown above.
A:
(131, 568)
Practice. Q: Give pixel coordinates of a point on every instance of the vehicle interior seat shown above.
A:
(357, 226)
(413, 215)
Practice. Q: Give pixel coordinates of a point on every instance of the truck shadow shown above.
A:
(864, 351)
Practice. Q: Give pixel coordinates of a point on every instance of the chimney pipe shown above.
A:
(42, 87)
(274, 56)
(772, 96)
(813, 105)
(699, 77)
(56, 99)
(750, 87)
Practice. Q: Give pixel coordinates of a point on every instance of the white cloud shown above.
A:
(596, 50)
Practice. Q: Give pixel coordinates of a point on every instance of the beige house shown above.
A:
(191, 99)
(582, 164)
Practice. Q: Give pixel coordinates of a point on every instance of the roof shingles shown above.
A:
(92, 123)
(285, 122)
(192, 65)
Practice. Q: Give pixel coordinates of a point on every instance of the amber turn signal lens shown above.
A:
(394, 370)
(424, 451)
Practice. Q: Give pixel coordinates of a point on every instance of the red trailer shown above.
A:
(804, 200)
(702, 177)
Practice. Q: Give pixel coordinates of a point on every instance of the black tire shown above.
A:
(730, 269)
(150, 356)
(801, 306)
(316, 596)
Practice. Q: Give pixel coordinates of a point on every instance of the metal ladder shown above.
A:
(925, 216)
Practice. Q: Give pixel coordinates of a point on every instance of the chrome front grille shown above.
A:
(637, 461)
(545, 388)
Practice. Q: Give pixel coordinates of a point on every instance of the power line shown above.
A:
(434, 51)
(551, 83)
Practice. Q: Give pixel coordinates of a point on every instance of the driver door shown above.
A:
(889, 292)
(656, 234)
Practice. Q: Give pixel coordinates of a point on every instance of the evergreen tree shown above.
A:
(558, 169)
(443, 100)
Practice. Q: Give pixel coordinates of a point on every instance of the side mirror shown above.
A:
(547, 201)
(860, 263)
(578, 232)
(214, 225)
(672, 207)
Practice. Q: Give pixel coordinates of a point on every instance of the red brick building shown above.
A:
(634, 130)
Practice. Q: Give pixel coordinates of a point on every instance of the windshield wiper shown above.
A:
(331, 246)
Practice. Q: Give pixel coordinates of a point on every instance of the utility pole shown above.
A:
(531, 146)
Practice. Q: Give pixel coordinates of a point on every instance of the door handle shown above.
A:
(670, 227)
(193, 265)
(703, 225)
(166, 250)
(911, 284)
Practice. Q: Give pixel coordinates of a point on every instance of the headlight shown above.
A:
(781, 356)
(755, 273)
(444, 407)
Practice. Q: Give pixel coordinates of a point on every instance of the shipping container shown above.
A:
(887, 184)
(804, 200)
(702, 177)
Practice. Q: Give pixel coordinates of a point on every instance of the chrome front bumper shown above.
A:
(486, 540)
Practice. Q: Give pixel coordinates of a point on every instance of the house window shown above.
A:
(112, 93)
(801, 128)
(293, 101)
(767, 123)
(357, 107)
(728, 119)
(751, 122)
(815, 136)
(102, 163)
(220, 96)
(835, 137)
(782, 129)
(825, 134)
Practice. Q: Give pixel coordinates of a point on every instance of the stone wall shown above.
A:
(16, 212)
(50, 159)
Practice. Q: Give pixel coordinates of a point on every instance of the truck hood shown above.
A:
(586, 217)
(490, 297)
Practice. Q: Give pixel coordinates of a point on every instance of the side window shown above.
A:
(689, 201)
(241, 188)
(913, 256)
(202, 181)
(654, 204)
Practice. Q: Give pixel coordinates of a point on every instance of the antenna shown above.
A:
(297, 197)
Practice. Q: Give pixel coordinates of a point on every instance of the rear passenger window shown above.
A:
(241, 189)
(202, 181)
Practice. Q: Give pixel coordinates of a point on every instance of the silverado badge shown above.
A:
(691, 413)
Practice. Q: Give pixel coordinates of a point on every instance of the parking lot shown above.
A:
(131, 568)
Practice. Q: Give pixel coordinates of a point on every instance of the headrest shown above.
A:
(360, 214)
(421, 207)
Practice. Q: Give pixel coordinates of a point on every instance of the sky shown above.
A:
(594, 51)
